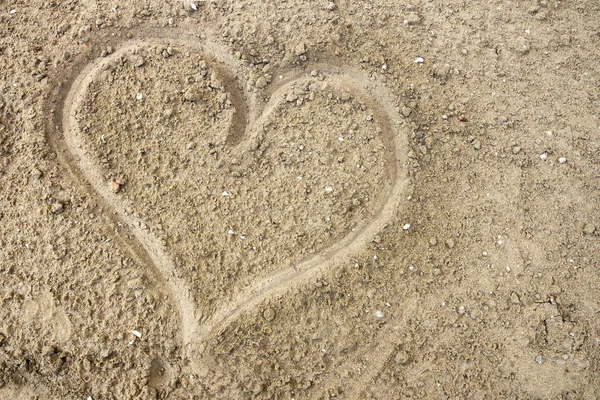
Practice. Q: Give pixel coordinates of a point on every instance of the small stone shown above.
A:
(115, 186)
(476, 144)
(191, 146)
(406, 227)
(84, 29)
(138, 61)
(543, 156)
(269, 314)
(376, 239)
(401, 357)
(433, 241)
(412, 19)
(562, 160)
(192, 94)
(514, 298)
(516, 150)
(36, 173)
(419, 60)
(538, 359)
(450, 243)
(261, 83)
(461, 310)
(589, 229)
(406, 111)
(524, 48)
(345, 96)
(57, 207)
(300, 49)
(290, 98)
(378, 315)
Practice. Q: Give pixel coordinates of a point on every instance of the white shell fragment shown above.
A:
(406, 227)
(136, 333)
(562, 160)
(419, 60)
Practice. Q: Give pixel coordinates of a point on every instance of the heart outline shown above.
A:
(62, 135)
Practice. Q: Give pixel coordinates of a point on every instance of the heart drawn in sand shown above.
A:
(234, 195)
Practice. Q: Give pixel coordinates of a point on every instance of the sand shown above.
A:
(307, 200)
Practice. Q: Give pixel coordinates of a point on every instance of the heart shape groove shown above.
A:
(250, 142)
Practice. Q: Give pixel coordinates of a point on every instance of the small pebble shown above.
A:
(514, 298)
(543, 156)
(269, 314)
(378, 315)
(57, 207)
(450, 243)
(138, 61)
(300, 49)
(261, 83)
(419, 60)
(516, 150)
(412, 19)
(136, 333)
(401, 358)
(115, 186)
(433, 241)
(406, 227)
(562, 160)
(538, 359)
(589, 229)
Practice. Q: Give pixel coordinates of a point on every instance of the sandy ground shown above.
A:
(310, 200)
